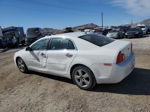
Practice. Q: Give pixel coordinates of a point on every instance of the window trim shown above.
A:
(75, 48)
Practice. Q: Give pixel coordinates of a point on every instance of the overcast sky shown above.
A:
(64, 13)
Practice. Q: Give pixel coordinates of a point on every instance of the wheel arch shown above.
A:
(17, 59)
(20, 58)
(76, 65)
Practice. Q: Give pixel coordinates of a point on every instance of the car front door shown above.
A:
(60, 55)
(37, 56)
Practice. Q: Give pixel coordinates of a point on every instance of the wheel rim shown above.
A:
(82, 78)
(21, 65)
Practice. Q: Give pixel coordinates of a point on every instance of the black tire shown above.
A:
(21, 65)
(87, 76)
(119, 37)
(127, 37)
(139, 36)
(23, 43)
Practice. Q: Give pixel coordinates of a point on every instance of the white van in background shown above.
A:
(144, 28)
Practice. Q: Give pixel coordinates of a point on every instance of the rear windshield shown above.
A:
(142, 26)
(133, 29)
(98, 40)
(33, 32)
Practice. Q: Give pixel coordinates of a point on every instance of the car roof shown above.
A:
(68, 35)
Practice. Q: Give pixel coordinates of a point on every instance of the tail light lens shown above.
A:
(120, 57)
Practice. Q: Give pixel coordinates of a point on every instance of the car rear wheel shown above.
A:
(21, 65)
(83, 78)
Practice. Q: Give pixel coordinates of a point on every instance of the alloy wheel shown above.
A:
(82, 78)
(21, 65)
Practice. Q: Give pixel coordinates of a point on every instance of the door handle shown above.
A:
(69, 55)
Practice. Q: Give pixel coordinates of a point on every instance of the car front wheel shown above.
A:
(83, 78)
(21, 65)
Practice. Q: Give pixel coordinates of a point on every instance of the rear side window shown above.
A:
(98, 40)
(58, 44)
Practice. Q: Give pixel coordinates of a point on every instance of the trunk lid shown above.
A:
(124, 47)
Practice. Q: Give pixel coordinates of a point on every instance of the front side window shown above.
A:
(98, 40)
(40, 45)
(59, 44)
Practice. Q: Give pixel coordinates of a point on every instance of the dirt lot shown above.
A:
(36, 92)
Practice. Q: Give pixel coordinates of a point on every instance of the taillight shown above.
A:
(120, 57)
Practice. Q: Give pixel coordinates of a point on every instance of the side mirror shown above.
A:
(28, 48)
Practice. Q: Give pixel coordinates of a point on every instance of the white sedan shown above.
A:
(87, 59)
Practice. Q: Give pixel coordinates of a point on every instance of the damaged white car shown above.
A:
(87, 59)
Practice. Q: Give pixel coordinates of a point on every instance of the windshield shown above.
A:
(113, 31)
(142, 26)
(132, 29)
(98, 40)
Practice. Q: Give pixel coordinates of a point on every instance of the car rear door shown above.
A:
(60, 55)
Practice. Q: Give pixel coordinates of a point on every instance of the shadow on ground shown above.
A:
(52, 77)
(137, 83)
(9, 49)
(4, 50)
(144, 36)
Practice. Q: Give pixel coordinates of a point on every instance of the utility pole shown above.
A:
(102, 19)
(131, 21)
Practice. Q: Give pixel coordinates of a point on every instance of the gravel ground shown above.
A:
(36, 92)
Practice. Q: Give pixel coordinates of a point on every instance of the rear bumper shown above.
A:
(117, 72)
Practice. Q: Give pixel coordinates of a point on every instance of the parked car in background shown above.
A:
(68, 29)
(134, 32)
(98, 30)
(2, 43)
(87, 59)
(124, 28)
(105, 31)
(144, 28)
(116, 34)
(1, 38)
(13, 36)
(33, 34)
(1, 32)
